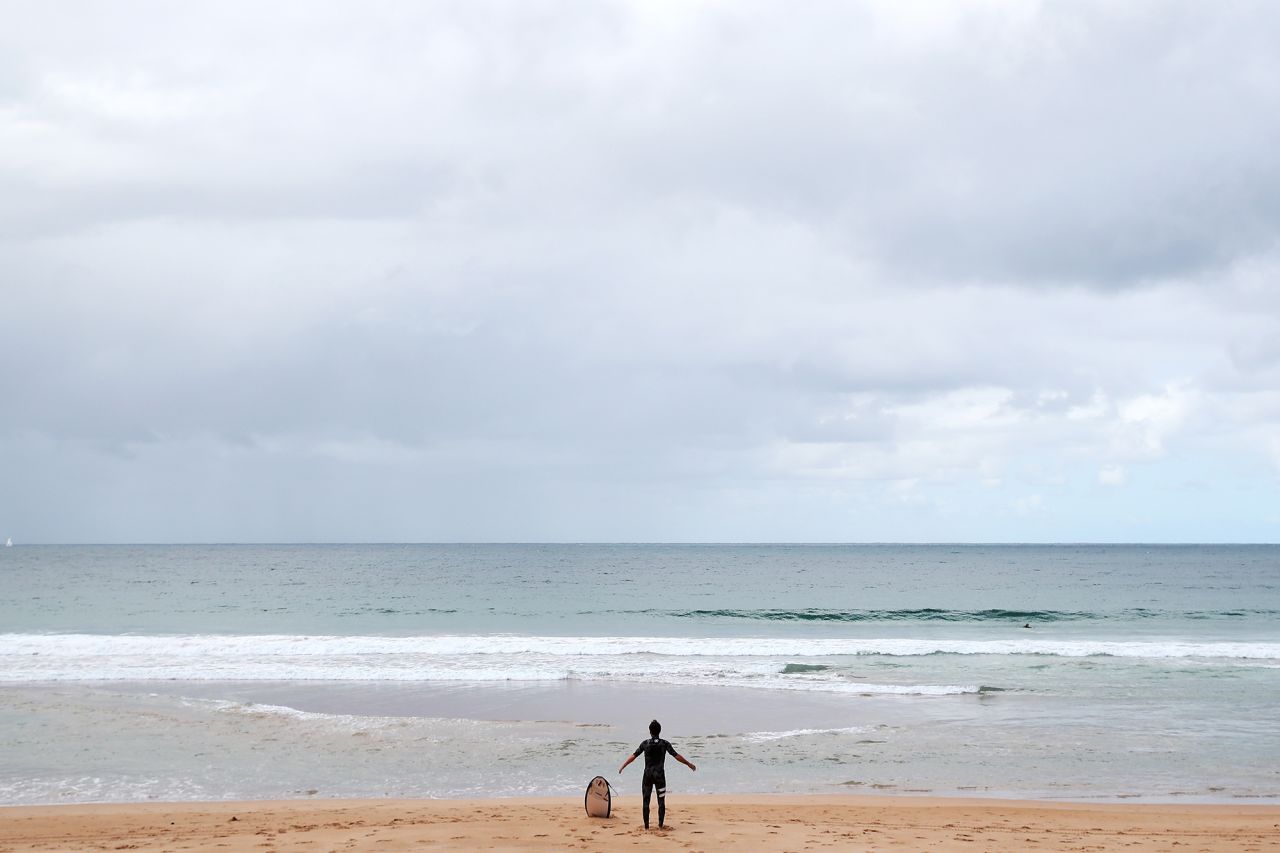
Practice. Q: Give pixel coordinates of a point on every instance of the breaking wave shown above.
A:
(934, 614)
(777, 662)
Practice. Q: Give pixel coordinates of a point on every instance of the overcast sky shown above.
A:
(581, 271)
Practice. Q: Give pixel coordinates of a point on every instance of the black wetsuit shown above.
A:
(655, 751)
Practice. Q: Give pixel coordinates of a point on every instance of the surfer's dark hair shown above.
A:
(655, 728)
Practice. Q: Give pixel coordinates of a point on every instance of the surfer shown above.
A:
(655, 751)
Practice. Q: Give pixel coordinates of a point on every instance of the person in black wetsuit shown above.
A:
(655, 751)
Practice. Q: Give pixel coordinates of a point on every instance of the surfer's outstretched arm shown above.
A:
(630, 758)
(685, 762)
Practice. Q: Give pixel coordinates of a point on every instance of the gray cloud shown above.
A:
(1061, 142)
(507, 271)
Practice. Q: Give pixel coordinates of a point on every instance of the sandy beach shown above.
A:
(696, 823)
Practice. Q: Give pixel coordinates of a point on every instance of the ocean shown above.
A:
(1083, 672)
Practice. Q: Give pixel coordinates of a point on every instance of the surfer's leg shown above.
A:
(661, 782)
(646, 787)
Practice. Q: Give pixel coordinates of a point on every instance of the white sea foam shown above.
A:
(839, 685)
(757, 737)
(290, 715)
(750, 662)
(99, 789)
(205, 645)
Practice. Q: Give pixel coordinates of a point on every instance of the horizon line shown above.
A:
(654, 543)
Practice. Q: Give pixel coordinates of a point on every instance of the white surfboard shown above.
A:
(598, 800)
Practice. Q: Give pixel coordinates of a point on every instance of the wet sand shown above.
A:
(739, 823)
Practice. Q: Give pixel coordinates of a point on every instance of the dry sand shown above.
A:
(739, 823)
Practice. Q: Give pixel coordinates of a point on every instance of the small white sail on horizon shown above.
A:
(8, 543)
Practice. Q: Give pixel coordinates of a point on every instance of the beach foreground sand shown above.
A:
(740, 823)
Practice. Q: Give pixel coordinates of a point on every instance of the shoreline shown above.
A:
(193, 742)
(697, 822)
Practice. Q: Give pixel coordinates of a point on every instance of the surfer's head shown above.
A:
(655, 728)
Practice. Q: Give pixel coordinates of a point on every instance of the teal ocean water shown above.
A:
(176, 672)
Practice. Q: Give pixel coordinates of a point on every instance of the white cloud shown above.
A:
(1029, 505)
(1112, 475)
(1147, 421)
(1096, 407)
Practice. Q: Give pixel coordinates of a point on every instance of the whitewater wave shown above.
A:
(757, 737)
(231, 646)
(774, 663)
